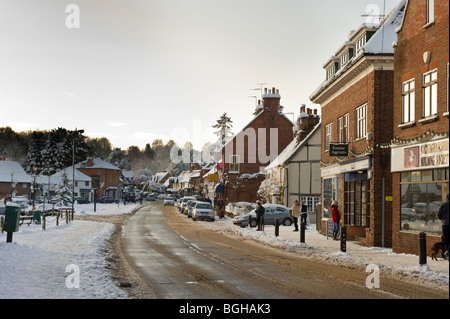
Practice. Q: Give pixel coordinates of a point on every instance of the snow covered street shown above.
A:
(69, 261)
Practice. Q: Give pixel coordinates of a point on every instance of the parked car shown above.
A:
(203, 210)
(189, 206)
(151, 197)
(170, 200)
(106, 199)
(272, 212)
(81, 200)
(130, 197)
(183, 203)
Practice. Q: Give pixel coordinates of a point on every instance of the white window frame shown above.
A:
(234, 164)
(361, 122)
(361, 42)
(343, 129)
(330, 71)
(408, 101)
(430, 93)
(328, 136)
(345, 58)
(430, 12)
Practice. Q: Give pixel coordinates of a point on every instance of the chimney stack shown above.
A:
(306, 122)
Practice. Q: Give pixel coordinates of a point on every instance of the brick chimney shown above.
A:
(90, 161)
(306, 122)
(271, 100)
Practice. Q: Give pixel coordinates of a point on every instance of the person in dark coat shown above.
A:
(443, 216)
(259, 213)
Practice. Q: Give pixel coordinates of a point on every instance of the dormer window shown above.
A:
(330, 72)
(346, 57)
(361, 42)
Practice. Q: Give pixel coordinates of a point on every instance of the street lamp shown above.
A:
(75, 133)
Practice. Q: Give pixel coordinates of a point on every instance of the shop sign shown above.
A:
(338, 149)
(427, 155)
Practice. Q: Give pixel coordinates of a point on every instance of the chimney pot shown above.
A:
(315, 111)
(273, 90)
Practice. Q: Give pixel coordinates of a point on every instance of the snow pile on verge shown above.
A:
(65, 261)
(319, 247)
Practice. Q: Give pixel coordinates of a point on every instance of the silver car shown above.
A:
(203, 210)
(272, 212)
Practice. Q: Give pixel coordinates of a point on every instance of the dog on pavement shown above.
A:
(435, 249)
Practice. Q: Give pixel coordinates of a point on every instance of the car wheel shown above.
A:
(287, 222)
(213, 219)
(253, 223)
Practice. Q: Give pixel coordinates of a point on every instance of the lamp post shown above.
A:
(75, 134)
(34, 185)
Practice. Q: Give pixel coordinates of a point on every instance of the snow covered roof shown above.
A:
(381, 41)
(291, 150)
(379, 44)
(19, 174)
(97, 163)
(58, 176)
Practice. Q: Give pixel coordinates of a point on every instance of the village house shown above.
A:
(246, 155)
(14, 181)
(105, 177)
(356, 102)
(295, 173)
(420, 149)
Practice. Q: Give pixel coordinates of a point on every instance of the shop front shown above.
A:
(348, 183)
(421, 173)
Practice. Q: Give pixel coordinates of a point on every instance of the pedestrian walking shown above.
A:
(259, 213)
(304, 212)
(294, 213)
(443, 216)
(335, 218)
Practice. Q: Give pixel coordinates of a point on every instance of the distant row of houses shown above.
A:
(92, 178)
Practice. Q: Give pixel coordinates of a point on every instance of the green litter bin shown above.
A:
(37, 216)
(12, 218)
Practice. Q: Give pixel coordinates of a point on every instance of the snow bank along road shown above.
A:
(179, 258)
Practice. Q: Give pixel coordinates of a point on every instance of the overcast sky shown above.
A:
(137, 70)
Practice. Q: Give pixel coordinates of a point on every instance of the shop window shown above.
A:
(422, 193)
(357, 202)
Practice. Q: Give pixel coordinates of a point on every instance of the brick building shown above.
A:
(356, 101)
(246, 155)
(420, 166)
(105, 177)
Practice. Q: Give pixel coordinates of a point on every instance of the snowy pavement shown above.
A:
(69, 261)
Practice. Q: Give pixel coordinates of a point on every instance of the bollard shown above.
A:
(343, 238)
(43, 221)
(422, 248)
(277, 227)
(302, 232)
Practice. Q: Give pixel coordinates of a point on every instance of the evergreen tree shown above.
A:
(224, 133)
(37, 144)
(64, 191)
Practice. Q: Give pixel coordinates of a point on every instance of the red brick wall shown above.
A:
(269, 118)
(375, 89)
(413, 41)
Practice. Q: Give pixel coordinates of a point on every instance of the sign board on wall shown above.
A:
(420, 156)
(338, 149)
